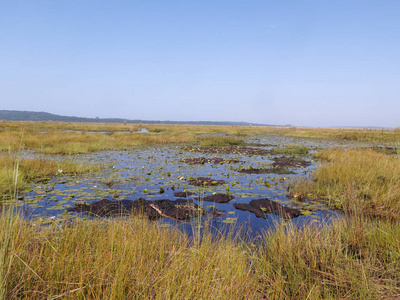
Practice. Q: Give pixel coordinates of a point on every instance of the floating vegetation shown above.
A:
(230, 220)
(205, 181)
(203, 160)
(168, 173)
(229, 150)
(272, 170)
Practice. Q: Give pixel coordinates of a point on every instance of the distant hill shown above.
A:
(16, 115)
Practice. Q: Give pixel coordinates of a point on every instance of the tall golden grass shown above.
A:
(70, 138)
(125, 259)
(361, 181)
(30, 169)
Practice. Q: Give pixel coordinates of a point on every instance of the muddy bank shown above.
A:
(290, 162)
(218, 198)
(261, 207)
(272, 170)
(102, 208)
(181, 209)
(214, 160)
(205, 181)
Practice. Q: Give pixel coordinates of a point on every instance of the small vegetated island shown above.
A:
(129, 210)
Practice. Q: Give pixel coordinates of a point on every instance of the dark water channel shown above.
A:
(156, 173)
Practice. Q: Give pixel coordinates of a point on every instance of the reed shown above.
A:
(7, 223)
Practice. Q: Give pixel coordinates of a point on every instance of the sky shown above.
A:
(305, 63)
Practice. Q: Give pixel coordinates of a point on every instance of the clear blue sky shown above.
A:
(310, 63)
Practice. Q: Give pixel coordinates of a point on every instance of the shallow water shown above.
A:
(157, 172)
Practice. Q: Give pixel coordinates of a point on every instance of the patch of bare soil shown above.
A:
(214, 160)
(181, 209)
(205, 181)
(218, 198)
(262, 207)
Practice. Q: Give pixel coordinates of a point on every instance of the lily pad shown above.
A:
(230, 220)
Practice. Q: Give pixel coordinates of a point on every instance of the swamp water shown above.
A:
(156, 173)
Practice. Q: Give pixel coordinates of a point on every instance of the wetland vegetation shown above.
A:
(198, 212)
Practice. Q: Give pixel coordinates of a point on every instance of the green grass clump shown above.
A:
(291, 151)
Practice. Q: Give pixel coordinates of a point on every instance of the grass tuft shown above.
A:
(357, 181)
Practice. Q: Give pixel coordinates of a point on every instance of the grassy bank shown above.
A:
(346, 134)
(359, 181)
(32, 169)
(125, 259)
(351, 259)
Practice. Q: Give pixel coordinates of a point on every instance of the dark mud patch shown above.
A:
(205, 181)
(272, 170)
(262, 207)
(260, 145)
(230, 150)
(290, 162)
(102, 208)
(181, 209)
(214, 160)
(218, 198)
(183, 194)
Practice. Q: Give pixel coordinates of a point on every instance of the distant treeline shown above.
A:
(16, 115)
